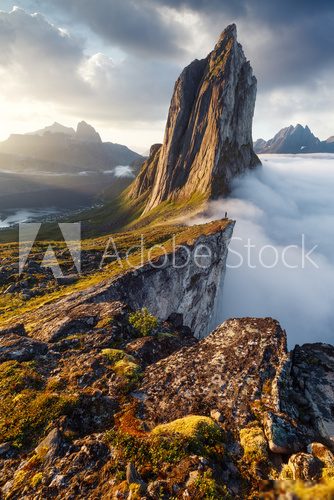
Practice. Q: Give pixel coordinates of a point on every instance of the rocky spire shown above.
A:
(208, 137)
(86, 132)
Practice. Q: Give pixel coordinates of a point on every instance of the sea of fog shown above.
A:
(281, 259)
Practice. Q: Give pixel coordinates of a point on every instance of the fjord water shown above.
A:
(283, 210)
(32, 195)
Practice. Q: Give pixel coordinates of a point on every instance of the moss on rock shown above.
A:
(196, 427)
(254, 444)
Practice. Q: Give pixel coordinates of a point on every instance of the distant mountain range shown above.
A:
(62, 149)
(63, 168)
(294, 140)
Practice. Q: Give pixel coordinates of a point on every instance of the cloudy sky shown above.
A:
(114, 62)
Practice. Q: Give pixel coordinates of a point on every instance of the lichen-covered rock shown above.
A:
(18, 348)
(208, 137)
(157, 489)
(305, 467)
(321, 452)
(15, 330)
(283, 436)
(151, 349)
(4, 449)
(50, 446)
(226, 371)
(133, 478)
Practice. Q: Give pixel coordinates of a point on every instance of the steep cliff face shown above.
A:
(145, 178)
(183, 281)
(208, 137)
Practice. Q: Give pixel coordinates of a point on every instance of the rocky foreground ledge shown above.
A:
(132, 407)
(108, 392)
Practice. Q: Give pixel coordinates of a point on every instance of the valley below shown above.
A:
(41, 196)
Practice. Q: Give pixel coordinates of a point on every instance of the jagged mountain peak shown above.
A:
(229, 31)
(83, 132)
(293, 140)
(208, 136)
(87, 133)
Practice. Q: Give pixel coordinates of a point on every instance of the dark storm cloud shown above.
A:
(136, 26)
(288, 42)
(275, 11)
(294, 52)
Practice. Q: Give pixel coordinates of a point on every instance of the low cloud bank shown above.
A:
(123, 171)
(281, 260)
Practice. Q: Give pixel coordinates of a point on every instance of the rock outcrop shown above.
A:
(184, 280)
(101, 399)
(233, 411)
(227, 371)
(293, 140)
(313, 371)
(208, 137)
(244, 372)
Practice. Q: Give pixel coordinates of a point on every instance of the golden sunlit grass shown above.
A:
(159, 240)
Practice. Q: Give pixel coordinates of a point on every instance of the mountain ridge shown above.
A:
(78, 149)
(293, 140)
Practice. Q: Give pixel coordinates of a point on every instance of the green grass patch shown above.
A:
(198, 429)
(26, 406)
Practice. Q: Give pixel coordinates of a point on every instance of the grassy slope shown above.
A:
(119, 214)
(120, 219)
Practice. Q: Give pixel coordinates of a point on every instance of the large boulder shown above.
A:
(227, 371)
(313, 373)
